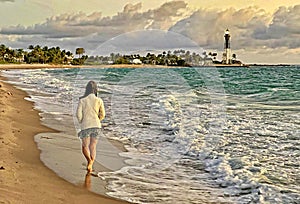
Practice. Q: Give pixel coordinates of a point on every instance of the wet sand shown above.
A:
(23, 176)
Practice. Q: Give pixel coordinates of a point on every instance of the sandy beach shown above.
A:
(24, 178)
(34, 66)
(39, 66)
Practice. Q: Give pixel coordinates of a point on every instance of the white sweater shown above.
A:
(90, 112)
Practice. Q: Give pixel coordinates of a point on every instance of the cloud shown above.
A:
(7, 1)
(144, 41)
(250, 28)
(81, 24)
(91, 30)
(65, 25)
(130, 8)
(207, 27)
(284, 29)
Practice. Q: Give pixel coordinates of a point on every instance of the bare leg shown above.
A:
(86, 152)
(92, 148)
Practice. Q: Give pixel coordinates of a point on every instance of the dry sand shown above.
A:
(23, 177)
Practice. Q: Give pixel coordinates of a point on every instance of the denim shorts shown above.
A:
(90, 132)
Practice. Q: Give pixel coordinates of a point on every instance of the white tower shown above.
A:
(227, 53)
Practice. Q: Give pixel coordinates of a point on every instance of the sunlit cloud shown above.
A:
(81, 24)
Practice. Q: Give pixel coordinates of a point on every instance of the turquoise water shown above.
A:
(194, 135)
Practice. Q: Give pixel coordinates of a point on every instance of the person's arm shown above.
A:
(79, 112)
(101, 114)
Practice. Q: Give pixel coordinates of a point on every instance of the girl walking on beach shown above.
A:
(90, 113)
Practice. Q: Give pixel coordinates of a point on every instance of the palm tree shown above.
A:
(20, 55)
(30, 47)
(80, 51)
(233, 56)
(38, 53)
(2, 51)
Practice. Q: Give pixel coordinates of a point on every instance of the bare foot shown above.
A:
(90, 166)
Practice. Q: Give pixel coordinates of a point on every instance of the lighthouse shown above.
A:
(227, 51)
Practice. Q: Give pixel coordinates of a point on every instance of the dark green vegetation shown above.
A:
(54, 55)
(175, 58)
(41, 55)
(169, 58)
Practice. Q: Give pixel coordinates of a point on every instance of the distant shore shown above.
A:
(49, 66)
(39, 66)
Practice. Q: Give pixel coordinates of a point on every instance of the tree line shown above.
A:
(169, 58)
(41, 55)
(178, 57)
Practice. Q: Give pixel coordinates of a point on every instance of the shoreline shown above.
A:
(34, 66)
(24, 177)
(50, 66)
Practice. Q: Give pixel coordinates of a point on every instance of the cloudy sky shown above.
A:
(262, 31)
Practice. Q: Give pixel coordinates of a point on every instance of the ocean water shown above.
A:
(193, 135)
